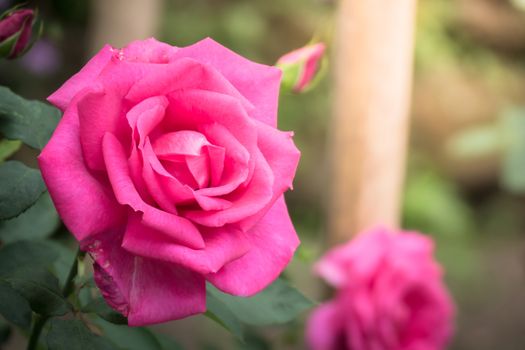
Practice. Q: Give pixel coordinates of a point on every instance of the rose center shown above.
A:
(191, 158)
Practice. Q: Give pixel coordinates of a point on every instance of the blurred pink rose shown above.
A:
(300, 66)
(390, 296)
(15, 32)
(168, 168)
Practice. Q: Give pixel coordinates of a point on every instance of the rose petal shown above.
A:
(311, 66)
(211, 203)
(273, 242)
(149, 50)
(222, 245)
(172, 188)
(146, 291)
(221, 115)
(25, 34)
(86, 204)
(217, 155)
(245, 202)
(183, 74)
(170, 185)
(136, 165)
(176, 227)
(334, 266)
(156, 190)
(188, 146)
(100, 111)
(257, 82)
(325, 328)
(282, 156)
(63, 96)
(145, 116)
(180, 143)
(199, 168)
(12, 23)
(236, 160)
(208, 107)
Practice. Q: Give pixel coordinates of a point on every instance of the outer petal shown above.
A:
(222, 245)
(355, 262)
(273, 242)
(149, 51)
(100, 111)
(258, 83)
(85, 203)
(146, 291)
(63, 96)
(281, 154)
(325, 328)
(183, 74)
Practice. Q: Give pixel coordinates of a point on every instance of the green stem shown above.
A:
(40, 321)
(69, 287)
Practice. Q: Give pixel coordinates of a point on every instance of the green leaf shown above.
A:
(100, 307)
(433, 204)
(513, 123)
(39, 221)
(74, 335)
(65, 259)
(5, 331)
(33, 122)
(36, 253)
(41, 290)
(26, 254)
(476, 142)
(14, 307)
(167, 343)
(130, 338)
(277, 304)
(8, 148)
(290, 77)
(6, 46)
(218, 311)
(20, 187)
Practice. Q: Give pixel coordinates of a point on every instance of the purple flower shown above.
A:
(43, 59)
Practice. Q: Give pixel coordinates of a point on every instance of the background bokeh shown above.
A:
(466, 174)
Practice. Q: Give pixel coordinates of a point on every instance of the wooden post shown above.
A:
(373, 73)
(118, 22)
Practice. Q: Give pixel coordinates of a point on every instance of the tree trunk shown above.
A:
(373, 73)
(118, 22)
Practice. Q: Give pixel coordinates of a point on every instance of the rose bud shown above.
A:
(300, 67)
(389, 295)
(169, 169)
(15, 32)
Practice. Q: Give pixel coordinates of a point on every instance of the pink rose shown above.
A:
(301, 66)
(390, 296)
(168, 168)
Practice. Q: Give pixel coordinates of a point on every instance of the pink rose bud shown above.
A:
(15, 32)
(300, 67)
(389, 295)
